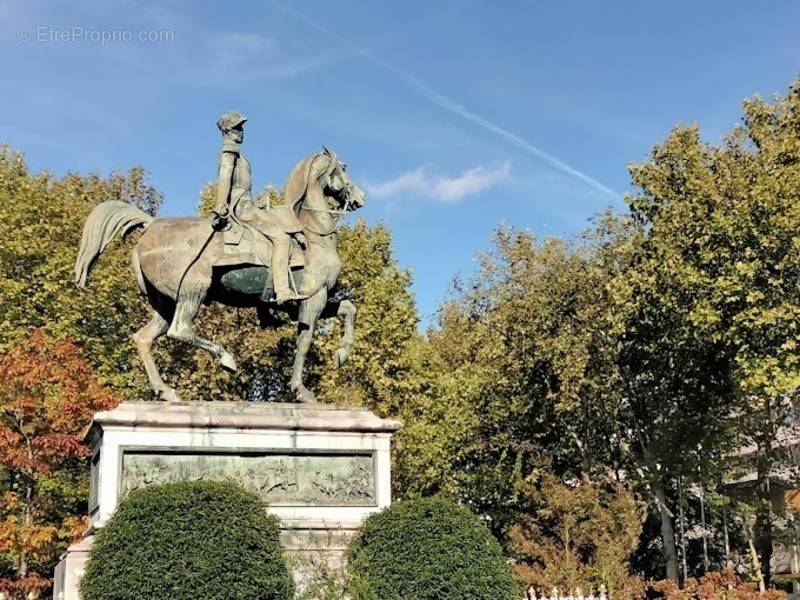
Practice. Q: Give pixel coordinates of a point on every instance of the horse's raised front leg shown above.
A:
(345, 309)
(310, 311)
(144, 338)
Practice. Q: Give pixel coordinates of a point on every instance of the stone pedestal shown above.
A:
(70, 570)
(320, 469)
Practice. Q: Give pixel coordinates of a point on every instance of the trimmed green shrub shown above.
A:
(188, 541)
(428, 549)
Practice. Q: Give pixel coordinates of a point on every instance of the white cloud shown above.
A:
(439, 187)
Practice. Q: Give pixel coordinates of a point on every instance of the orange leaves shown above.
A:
(17, 538)
(30, 586)
(713, 586)
(74, 527)
(580, 535)
(48, 394)
(10, 500)
(59, 445)
(7, 535)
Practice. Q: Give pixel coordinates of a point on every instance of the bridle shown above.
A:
(336, 213)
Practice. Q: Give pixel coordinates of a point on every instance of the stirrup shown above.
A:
(292, 297)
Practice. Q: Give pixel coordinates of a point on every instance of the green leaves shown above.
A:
(669, 326)
(40, 226)
(428, 549)
(189, 540)
(522, 372)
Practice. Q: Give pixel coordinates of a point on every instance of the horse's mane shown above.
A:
(298, 180)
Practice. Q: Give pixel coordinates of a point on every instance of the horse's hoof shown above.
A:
(305, 396)
(340, 357)
(227, 361)
(170, 396)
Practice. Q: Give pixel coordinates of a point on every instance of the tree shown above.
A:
(655, 348)
(520, 358)
(41, 217)
(673, 381)
(48, 394)
(581, 534)
(721, 256)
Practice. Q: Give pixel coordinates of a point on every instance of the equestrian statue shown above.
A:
(279, 258)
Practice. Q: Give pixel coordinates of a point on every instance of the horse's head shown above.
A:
(338, 185)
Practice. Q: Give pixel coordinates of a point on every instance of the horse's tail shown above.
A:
(103, 224)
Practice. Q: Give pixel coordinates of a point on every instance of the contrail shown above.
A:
(443, 101)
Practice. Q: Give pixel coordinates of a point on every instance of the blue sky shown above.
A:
(455, 116)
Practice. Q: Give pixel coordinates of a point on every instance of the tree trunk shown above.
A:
(682, 530)
(22, 565)
(748, 530)
(726, 538)
(703, 523)
(667, 531)
(763, 525)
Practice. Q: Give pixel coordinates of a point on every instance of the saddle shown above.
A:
(244, 243)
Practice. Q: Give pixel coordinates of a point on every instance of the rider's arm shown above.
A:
(224, 183)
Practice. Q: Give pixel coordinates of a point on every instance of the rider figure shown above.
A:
(235, 203)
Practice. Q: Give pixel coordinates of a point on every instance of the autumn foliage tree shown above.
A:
(582, 533)
(48, 393)
(41, 219)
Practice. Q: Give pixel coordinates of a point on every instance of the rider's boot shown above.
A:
(280, 272)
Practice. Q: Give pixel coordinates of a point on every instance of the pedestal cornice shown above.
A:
(245, 416)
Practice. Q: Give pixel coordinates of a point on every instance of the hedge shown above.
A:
(188, 540)
(428, 549)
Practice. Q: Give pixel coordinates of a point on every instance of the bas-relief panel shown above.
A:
(295, 479)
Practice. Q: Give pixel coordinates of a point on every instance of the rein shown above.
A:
(337, 215)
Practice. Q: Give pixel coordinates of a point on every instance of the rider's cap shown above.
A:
(230, 120)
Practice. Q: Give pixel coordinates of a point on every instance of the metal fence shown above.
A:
(556, 594)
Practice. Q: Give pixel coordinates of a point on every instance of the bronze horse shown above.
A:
(180, 263)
